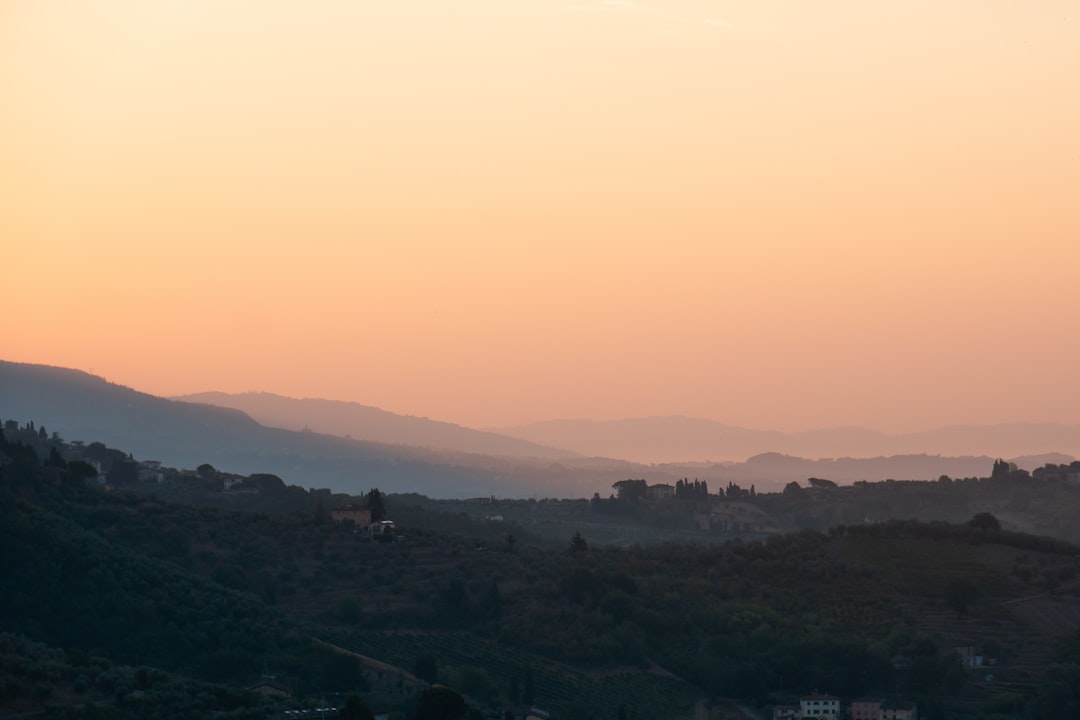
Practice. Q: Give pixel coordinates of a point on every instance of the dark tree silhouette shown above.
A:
(960, 594)
(441, 703)
(82, 469)
(426, 669)
(631, 489)
(578, 544)
(528, 695)
(377, 505)
(355, 709)
(984, 521)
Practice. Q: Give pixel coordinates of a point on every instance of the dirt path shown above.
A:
(372, 663)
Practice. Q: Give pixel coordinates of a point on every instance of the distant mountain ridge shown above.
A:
(676, 439)
(371, 424)
(184, 435)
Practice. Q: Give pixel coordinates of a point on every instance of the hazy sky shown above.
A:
(785, 214)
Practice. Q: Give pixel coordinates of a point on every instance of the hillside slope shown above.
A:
(866, 609)
(363, 422)
(186, 435)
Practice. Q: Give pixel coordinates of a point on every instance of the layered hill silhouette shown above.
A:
(85, 407)
(185, 435)
(371, 424)
(678, 439)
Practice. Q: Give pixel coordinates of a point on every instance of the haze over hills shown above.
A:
(680, 439)
(656, 440)
(184, 435)
(371, 424)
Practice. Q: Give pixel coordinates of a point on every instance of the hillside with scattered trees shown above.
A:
(127, 602)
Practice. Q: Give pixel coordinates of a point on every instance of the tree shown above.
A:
(528, 695)
(578, 544)
(355, 709)
(376, 505)
(81, 469)
(55, 460)
(960, 594)
(984, 521)
(343, 673)
(348, 611)
(265, 482)
(441, 703)
(426, 669)
(632, 490)
(793, 488)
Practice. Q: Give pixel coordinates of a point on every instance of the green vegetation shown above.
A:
(130, 603)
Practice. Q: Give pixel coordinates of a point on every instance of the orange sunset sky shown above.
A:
(778, 214)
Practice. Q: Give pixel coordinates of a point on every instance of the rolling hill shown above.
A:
(185, 435)
(349, 419)
(84, 407)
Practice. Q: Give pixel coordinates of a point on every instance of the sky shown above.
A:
(783, 214)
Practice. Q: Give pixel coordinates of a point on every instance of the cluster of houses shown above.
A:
(827, 707)
(1068, 474)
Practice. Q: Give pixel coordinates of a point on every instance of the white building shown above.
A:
(820, 706)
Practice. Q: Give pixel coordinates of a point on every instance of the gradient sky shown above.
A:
(779, 214)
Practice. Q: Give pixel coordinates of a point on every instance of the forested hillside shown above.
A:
(207, 601)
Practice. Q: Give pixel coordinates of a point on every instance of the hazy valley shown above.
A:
(348, 446)
(514, 575)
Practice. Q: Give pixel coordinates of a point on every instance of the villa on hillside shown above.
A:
(969, 656)
(866, 709)
(826, 707)
(150, 471)
(358, 515)
(660, 491)
(898, 711)
(269, 687)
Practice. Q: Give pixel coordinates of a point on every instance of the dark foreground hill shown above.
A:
(225, 597)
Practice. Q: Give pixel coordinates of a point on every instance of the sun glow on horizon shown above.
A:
(771, 214)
